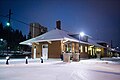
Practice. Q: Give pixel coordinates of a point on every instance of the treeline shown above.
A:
(12, 37)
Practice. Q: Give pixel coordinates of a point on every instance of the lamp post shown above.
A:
(7, 59)
(82, 34)
(26, 61)
(41, 59)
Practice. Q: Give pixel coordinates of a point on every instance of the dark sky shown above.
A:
(97, 18)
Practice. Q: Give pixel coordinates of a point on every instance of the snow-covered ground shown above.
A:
(114, 60)
(54, 69)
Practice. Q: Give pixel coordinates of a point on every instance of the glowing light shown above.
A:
(98, 50)
(85, 48)
(26, 57)
(81, 48)
(1, 39)
(8, 24)
(113, 49)
(7, 57)
(82, 34)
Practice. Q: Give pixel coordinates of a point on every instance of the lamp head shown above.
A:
(82, 34)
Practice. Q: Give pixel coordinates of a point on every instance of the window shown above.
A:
(85, 48)
(81, 48)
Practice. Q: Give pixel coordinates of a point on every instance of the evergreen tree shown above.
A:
(12, 37)
(29, 36)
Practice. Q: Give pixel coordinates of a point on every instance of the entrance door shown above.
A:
(45, 51)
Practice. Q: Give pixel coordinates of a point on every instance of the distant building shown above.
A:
(36, 29)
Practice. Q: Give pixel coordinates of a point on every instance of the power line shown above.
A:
(13, 18)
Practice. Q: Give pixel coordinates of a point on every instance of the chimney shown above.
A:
(58, 24)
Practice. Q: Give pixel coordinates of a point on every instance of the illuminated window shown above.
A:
(98, 49)
(85, 48)
(81, 48)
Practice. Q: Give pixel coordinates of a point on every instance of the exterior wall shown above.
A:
(38, 50)
(102, 52)
(54, 49)
(73, 47)
(84, 54)
(76, 47)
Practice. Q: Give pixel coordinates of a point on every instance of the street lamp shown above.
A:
(41, 59)
(26, 61)
(8, 24)
(7, 58)
(82, 34)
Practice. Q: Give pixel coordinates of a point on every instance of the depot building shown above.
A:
(57, 41)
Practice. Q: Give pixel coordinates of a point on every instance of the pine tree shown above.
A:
(11, 36)
(29, 36)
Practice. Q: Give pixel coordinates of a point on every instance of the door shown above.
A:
(45, 51)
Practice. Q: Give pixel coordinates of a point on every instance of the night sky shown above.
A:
(97, 18)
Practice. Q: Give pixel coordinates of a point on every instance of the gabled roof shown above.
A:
(92, 42)
(57, 34)
(99, 41)
(113, 50)
(52, 35)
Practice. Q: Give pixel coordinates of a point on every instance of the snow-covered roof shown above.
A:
(52, 35)
(100, 41)
(57, 34)
(113, 50)
(92, 42)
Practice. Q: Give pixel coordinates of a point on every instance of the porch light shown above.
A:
(98, 50)
(82, 34)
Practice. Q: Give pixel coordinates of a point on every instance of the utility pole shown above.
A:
(9, 16)
(9, 24)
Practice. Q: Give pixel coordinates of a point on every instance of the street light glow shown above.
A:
(1, 39)
(82, 34)
(8, 24)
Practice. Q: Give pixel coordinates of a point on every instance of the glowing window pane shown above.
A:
(81, 48)
(85, 48)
